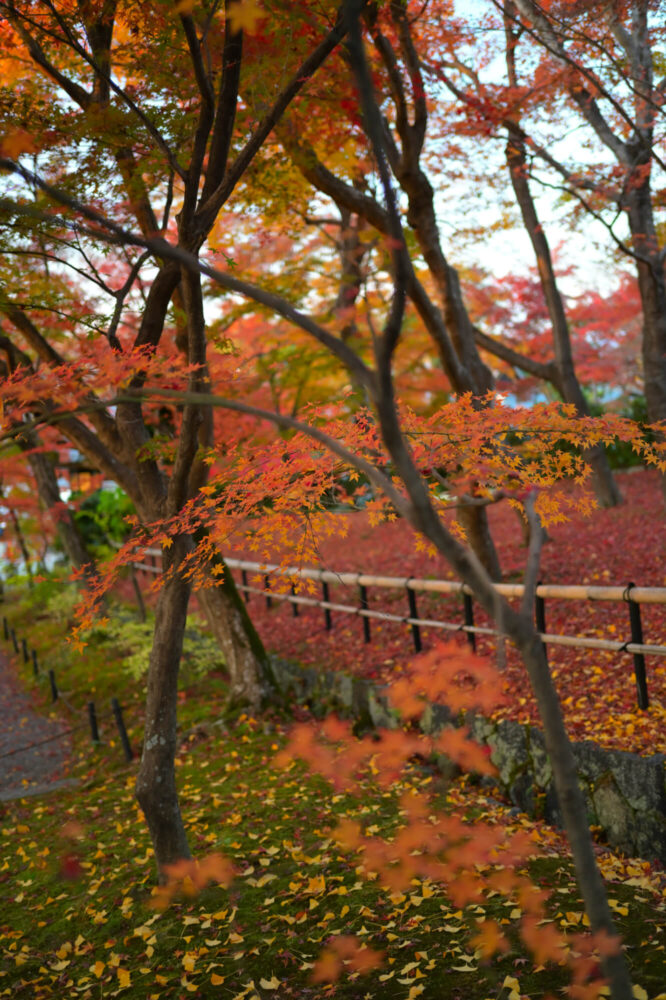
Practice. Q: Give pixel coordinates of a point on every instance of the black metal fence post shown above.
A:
(294, 605)
(540, 616)
(120, 723)
(326, 597)
(413, 613)
(637, 637)
(365, 607)
(92, 717)
(267, 588)
(26, 654)
(12, 633)
(54, 686)
(469, 618)
(246, 596)
(35, 664)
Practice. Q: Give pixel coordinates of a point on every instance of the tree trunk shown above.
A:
(251, 681)
(652, 289)
(603, 483)
(474, 521)
(20, 538)
(49, 494)
(156, 781)
(520, 630)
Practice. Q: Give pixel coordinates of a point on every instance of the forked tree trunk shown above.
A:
(156, 781)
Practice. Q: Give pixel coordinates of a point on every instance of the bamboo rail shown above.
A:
(611, 645)
(573, 592)
(631, 595)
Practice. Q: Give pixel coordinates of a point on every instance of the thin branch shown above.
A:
(106, 78)
(543, 370)
(120, 296)
(544, 34)
(78, 94)
(599, 218)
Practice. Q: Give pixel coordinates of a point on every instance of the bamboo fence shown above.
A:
(630, 595)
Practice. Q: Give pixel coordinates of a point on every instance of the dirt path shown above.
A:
(40, 767)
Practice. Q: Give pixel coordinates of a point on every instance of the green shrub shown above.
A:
(133, 641)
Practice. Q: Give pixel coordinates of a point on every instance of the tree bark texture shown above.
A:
(244, 657)
(156, 780)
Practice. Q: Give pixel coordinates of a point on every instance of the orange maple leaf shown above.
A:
(490, 939)
(544, 940)
(327, 968)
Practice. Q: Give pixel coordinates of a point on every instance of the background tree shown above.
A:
(601, 59)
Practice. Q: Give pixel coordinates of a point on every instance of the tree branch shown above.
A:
(225, 115)
(208, 209)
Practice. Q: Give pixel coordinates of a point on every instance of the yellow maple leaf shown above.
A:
(97, 969)
(216, 980)
(244, 15)
(270, 984)
(124, 978)
(315, 885)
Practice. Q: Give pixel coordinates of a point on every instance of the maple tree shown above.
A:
(106, 409)
(605, 332)
(107, 140)
(406, 57)
(594, 67)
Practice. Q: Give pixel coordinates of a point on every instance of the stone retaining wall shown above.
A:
(625, 793)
